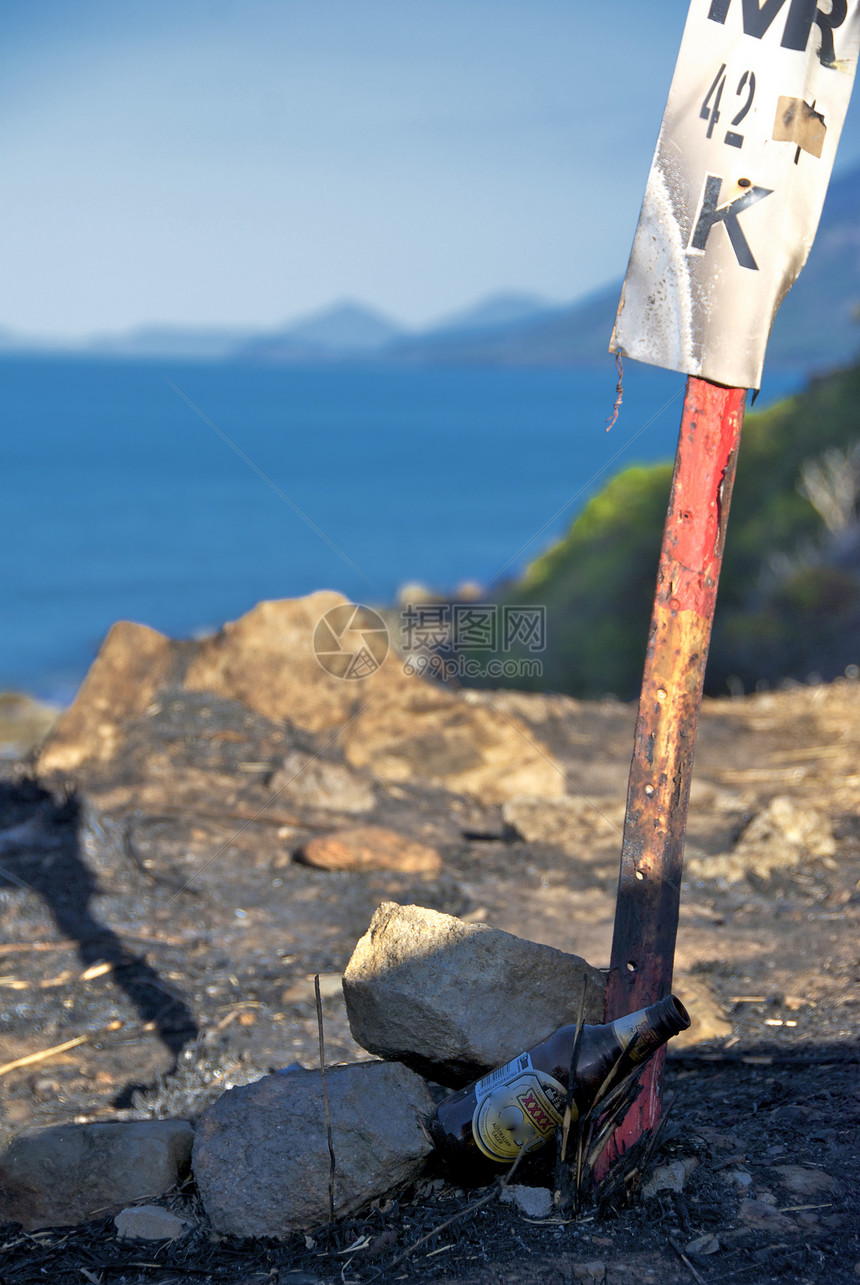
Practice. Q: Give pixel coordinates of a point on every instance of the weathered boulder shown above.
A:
(571, 822)
(261, 1157)
(371, 847)
(439, 737)
(781, 836)
(24, 722)
(64, 1174)
(453, 999)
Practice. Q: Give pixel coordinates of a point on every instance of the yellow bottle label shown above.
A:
(518, 1108)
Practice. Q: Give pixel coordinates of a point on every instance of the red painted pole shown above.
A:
(646, 913)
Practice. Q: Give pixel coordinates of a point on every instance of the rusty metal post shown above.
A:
(646, 913)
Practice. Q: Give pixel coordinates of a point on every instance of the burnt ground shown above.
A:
(168, 928)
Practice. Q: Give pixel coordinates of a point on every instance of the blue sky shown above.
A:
(245, 163)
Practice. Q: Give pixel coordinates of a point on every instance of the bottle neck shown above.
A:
(640, 1034)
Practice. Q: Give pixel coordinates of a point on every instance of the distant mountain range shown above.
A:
(818, 326)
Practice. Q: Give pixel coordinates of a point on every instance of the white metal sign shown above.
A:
(738, 180)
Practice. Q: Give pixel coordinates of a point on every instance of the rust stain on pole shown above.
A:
(646, 913)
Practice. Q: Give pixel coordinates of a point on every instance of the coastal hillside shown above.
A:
(815, 329)
(789, 603)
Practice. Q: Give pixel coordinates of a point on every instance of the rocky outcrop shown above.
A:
(453, 999)
(391, 726)
(133, 664)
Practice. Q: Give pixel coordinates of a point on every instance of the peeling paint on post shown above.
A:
(739, 175)
(646, 915)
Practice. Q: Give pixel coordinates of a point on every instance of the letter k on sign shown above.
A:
(711, 213)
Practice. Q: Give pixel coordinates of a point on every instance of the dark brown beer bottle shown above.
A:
(521, 1104)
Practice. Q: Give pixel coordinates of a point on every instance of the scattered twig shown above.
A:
(796, 1209)
(19, 883)
(12, 947)
(264, 817)
(617, 1105)
(10, 982)
(44, 1054)
(571, 1077)
(685, 1260)
(496, 1190)
(331, 1169)
(655, 1136)
(765, 1059)
(363, 1242)
(236, 1010)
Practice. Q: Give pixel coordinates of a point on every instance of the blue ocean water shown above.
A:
(123, 501)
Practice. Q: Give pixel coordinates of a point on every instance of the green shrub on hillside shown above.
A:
(789, 599)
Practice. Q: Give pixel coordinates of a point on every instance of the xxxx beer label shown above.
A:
(518, 1108)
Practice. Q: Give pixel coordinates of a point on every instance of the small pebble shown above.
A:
(669, 1177)
(707, 1244)
(534, 1202)
(149, 1222)
(741, 1177)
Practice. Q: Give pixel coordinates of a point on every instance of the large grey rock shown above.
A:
(261, 1157)
(64, 1174)
(452, 999)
